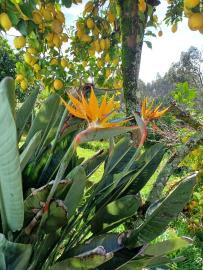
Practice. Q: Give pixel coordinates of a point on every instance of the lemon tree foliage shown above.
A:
(57, 55)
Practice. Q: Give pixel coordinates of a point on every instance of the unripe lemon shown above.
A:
(91, 52)
(56, 27)
(89, 7)
(36, 68)
(64, 37)
(107, 72)
(97, 45)
(90, 23)
(107, 58)
(5, 22)
(32, 50)
(116, 61)
(23, 85)
(111, 18)
(102, 44)
(19, 77)
(54, 61)
(84, 63)
(19, 42)
(37, 17)
(107, 43)
(195, 22)
(28, 58)
(155, 18)
(174, 28)
(160, 33)
(99, 63)
(60, 17)
(58, 84)
(191, 3)
(64, 63)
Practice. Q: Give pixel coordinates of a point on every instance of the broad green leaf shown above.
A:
(29, 150)
(24, 113)
(110, 242)
(11, 194)
(90, 165)
(45, 117)
(165, 212)
(88, 260)
(95, 134)
(7, 84)
(114, 213)
(74, 195)
(13, 255)
(167, 246)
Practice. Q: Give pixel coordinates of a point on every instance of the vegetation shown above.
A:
(63, 207)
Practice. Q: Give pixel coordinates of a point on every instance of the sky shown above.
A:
(165, 50)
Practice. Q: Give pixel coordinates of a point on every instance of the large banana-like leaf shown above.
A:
(75, 193)
(45, 117)
(157, 221)
(24, 113)
(29, 150)
(88, 260)
(11, 195)
(13, 255)
(114, 213)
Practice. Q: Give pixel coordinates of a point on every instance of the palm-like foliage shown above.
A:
(64, 223)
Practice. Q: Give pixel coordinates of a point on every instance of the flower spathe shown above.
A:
(149, 113)
(96, 115)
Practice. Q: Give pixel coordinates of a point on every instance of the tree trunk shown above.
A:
(132, 30)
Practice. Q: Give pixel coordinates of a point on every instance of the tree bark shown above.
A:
(132, 30)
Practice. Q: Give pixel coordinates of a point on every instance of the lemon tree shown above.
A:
(105, 45)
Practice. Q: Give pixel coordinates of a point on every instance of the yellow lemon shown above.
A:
(91, 52)
(85, 38)
(47, 14)
(60, 17)
(95, 31)
(99, 63)
(142, 6)
(107, 58)
(36, 67)
(57, 41)
(23, 85)
(28, 58)
(89, 7)
(19, 42)
(195, 22)
(64, 63)
(174, 28)
(19, 77)
(58, 84)
(5, 22)
(32, 50)
(102, 44)
(56, 27)
(107, 43)
(49, 37)
(90, 23)
(191, 3)
(107, 72)
(37, 17)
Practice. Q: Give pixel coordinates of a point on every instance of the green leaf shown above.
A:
(114, 213)
(45, 117)
(13, 255)
(67, 3)
(24, 113)
(88, 260)
(12, 211)
(29, 151)
(95, 134)
(165, 247)
(110, 242)
(90, 165)
(149, 44)
(74, 195)
(165, 212)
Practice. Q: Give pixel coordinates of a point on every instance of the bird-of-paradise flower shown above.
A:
(149, 112)
(96, 115)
